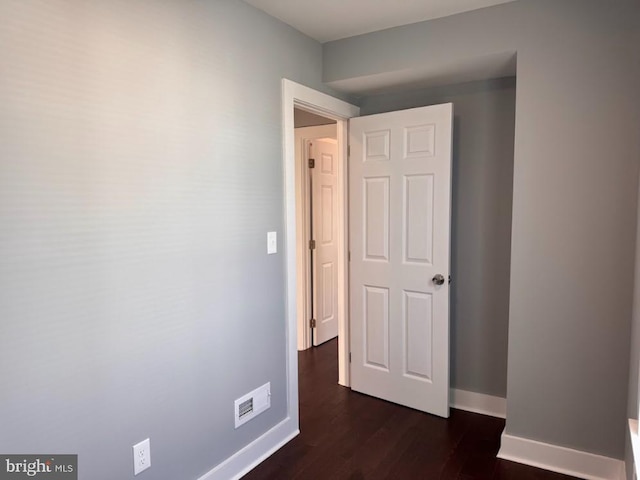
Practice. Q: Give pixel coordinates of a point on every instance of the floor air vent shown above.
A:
(245, 408)
(252, 404)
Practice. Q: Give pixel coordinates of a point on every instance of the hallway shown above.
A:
(347, 435)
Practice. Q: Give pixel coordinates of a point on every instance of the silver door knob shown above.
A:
(438, 279)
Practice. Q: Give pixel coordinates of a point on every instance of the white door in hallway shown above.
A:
(399, 226)
(324, 194)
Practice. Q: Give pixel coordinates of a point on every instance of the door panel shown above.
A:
(400, 203)
(324, 232)
(418, 219)
(376, 324)
(376, 238)
(418, 323)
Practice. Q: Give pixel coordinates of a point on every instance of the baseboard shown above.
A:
(478, 403)
(560, 459)
(244, 460)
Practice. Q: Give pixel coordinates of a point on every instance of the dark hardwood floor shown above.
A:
(347, 435)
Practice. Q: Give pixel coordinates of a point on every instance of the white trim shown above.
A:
(560, 459)
(244, 460)
(478, 403)
(294, 94)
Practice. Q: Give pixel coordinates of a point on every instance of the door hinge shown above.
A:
(349, 357)
(349, 256)
(312, 323)
(312, 163)
(348, 151)
(312, 244)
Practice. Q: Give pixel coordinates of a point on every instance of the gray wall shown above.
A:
(574, 197)
(484, 122)
(140, 169)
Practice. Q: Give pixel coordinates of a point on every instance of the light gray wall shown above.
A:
(484, 122)
(140, 169)
(574, 197)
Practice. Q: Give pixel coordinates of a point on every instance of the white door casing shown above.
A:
(399, 225)
(324, 181)
(297, 95)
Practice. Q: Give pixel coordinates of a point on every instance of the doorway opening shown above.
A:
(399, 226)
(483, 169)
(311, 101)
(317, 212)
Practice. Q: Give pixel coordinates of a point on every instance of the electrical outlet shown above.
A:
(141, 456)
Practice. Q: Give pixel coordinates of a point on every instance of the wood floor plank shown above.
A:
(346, 435)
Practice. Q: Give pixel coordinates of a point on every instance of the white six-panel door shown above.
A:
(324, 186)
(399, 211)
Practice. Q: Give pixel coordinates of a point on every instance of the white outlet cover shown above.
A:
(141, 456)
(272, 243)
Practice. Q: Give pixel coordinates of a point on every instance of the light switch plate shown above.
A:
(272, 243)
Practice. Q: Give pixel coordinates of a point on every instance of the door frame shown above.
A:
(297, 95)
(303, 226)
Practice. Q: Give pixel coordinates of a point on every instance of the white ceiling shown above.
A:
(327, 20)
